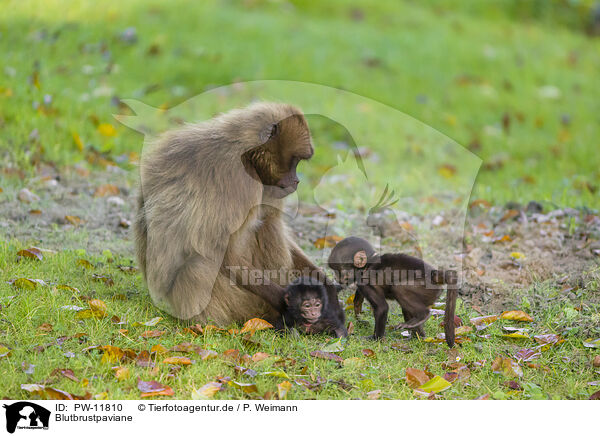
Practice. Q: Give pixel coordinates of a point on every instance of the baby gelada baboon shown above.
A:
(414, 284)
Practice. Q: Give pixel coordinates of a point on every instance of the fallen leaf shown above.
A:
(108, 281)
(327, 241)
(488, 319)
(106, 190)
(207, 391)
(158, 349)
(368, 352)
(257, 357)
(112, 354)
(595, 396)
(517, 335)
(122, 373)
(4, 351)
(152, 334)
(435, 385)
(255, 324)
(150, 323)
(45, 327)
(527, 354)
(280, 374)
(67, 373)
(282, 389)
(516, 315)
(506, 366)
(207, 354)
(31, 253)
(26, 284)
(374, 395)
(153, 388)
(84, 263)
(106, 129)
(416, 377)
(326, 355)
(73, 220)
(246, 387)
(77, 140)
(592, 343)
(178, 360)
(548, 339)
(510, 213)
(447, 171)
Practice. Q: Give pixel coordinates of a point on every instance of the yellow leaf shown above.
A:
(101, 396)
(74, 220)
(207, 391)
(246, 387)
(435, 385)
(106, 129)
(327, 241)
(98, 308)
(255, 324)
(78, 141)
(447, 171)
(158, 349)
(516, 255)
(463, 330)
(122, 373)
(178, 360)
(26, 284)
(111, 354)
(517, 335)
(4, 351)
(488, 319)
(516, 315)
(283, 388)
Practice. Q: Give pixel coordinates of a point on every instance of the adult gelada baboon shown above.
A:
(211, 203)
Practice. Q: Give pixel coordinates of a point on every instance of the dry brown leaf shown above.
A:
(506, 366)
(326, 355)
(178, 360)
(31, 253)
(152, 334)
(416, 377)
(105, 190)
(255, 324)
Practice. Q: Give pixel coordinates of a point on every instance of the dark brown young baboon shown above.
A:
(210, 207)
(406, 279)
(308, 309)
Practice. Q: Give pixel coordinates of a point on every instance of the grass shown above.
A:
(452, 69)
(450, 85)
(564, 370)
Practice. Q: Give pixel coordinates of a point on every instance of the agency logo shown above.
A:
(26, 415)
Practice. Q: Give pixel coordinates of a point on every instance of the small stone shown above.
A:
(115, 201)
(26, 196)
(596, 362)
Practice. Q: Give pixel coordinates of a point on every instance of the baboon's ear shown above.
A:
(268, 132)
(360, 259)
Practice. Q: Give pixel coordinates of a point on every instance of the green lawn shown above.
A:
(456, 69)
(433, 91)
